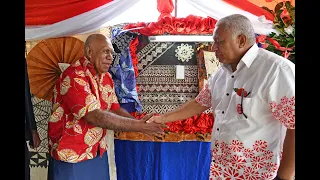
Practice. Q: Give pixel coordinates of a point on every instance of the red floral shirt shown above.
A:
(78, 91)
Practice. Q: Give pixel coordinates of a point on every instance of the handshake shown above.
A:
(152, 125)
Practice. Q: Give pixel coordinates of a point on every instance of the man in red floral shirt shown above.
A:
(84, 106)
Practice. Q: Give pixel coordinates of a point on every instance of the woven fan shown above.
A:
(43, 63)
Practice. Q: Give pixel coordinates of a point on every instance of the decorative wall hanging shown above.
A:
(211, 62)
(159, 90)
(189, 25)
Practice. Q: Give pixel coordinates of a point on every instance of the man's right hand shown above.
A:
(156, 119)
(151, 128)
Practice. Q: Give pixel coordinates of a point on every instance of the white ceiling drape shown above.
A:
(83, 23)
(218, 9)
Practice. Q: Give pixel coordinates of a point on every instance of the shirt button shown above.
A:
(227, 94)
(217, 129)
(222, 112)
(232, 76)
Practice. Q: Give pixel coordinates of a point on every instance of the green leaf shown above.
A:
(290, 44)
(290, 9)
(292, 13)
(288, 5)
(280, 29)
(271, 35)
(278, 6)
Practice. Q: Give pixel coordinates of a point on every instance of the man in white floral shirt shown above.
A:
(253, 98)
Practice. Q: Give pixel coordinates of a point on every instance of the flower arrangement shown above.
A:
(284, 21)
(201, 123)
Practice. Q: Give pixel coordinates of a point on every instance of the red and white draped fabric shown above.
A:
(46, 18)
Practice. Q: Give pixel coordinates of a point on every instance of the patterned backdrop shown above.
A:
(159, 90)
(39, 157)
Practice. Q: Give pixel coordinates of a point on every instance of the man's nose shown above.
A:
(214, 47)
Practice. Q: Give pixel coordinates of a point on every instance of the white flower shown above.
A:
(288, 30)
(184, 52)
(262, 18)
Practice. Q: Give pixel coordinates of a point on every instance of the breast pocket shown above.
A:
(243, 107)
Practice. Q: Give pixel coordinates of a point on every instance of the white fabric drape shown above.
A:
(83, 23)
(218, 9)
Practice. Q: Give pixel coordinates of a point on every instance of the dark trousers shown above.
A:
(27, 163)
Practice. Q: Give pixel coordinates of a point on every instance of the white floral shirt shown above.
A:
(247, 142)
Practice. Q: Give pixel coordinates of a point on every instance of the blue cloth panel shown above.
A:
(93, 169)
(143, 160)
(123, 73)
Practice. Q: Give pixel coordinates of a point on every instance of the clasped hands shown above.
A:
(152, 125)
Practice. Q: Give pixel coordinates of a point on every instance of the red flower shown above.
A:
(189, 127)
(202, 123)
(261, 39)
(268, 0)
(277, 45)
(175, 126)
(286, 54)
(239, 92)
(285, 14)
(264, 45)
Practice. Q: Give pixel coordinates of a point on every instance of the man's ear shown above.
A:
(88, 51)
(242, 39)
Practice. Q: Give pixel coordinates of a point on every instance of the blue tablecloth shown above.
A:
(143, 160)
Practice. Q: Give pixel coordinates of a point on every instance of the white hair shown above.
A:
(238, 24)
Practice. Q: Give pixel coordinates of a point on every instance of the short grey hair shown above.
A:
(238, 24)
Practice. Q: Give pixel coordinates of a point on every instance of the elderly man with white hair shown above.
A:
(253, 98)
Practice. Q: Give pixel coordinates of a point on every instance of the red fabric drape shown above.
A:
(45, 12)
(252, 8)
(165, 7)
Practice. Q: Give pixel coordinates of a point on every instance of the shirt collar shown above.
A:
(247, 59)
(250, 55)
(85, 62)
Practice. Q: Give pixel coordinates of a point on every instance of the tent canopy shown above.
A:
(46, 19)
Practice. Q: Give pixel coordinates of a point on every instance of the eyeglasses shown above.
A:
(241, 106)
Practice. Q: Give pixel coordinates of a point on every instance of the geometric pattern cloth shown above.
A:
(159, 90)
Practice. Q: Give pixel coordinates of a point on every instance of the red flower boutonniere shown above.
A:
(243, 93)
(240, 90)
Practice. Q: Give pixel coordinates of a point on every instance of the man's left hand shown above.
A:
(36, 139)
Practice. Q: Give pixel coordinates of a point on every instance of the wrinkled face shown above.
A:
(225, 46)
(100, 54)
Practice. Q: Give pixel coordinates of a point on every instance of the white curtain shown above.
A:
(80, 24)
(218, 9)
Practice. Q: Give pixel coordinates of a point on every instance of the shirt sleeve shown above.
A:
(112, 99)
(204, 97)
(115, 104)
(282, 97)
(76, 93)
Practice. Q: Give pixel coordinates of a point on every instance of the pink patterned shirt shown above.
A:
(248, 132)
